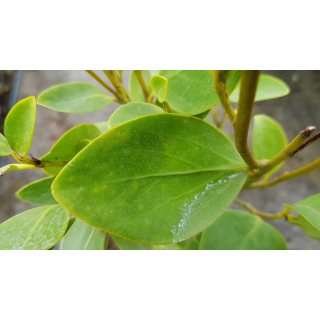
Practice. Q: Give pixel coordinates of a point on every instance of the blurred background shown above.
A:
(301, 108)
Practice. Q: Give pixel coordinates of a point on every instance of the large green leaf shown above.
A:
(309, 219)
(75, 97)
(268, 139)
(38, 192)
(192, 92)
(81, 236)
(269, 87)
(157, 179)
(5, 148)
(66, 147)
(19, 125)
(36, 229)
(131, 111)
(239, 230)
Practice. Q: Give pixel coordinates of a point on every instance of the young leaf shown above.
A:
(13, 167)
(135, 91)
(268, 139)
(309, 219)
(156, 179)
(81, 236)
(38, 192)
(269, 87)
(5, 149)
(65, 148)
(19, 125)
(191, 91)
(36, 229)
(160, 86)
(103, 126)
(239, 230)
(82, 144)
(131, 111)
(75, 97)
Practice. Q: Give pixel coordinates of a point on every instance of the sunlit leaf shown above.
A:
(239, 230)
(36, 229)
(268, 139)
(157, 179)
(38, 192)
(269, 87)
(75, 97)
(5, 149)
(160, 86)
(19, 125)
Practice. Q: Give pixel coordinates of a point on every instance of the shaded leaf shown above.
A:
(82, 144)
(269, 87)
(19, 125)
(36, 229)
(125, 244)
(5, 149)
(191, 243)
(239, 230)
(131, 111)
(202, 115)
(135, 90)
(160, 86)
(75, 97)
(38, 192)
(103, 126)
(157, 179)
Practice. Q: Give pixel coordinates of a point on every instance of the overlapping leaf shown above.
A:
(5, 149)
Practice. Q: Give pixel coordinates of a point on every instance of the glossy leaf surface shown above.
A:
(269, 87)
(160, 86)
(239, 230)
(309, 209)
(268, 139)
(157, 179)
(75, 97)
(81, 236)
(192, 92)
(131, 111)
(19, 125)
(5, 149)
(103, 126)
(65, 148)
(38, 192)
(36, 229)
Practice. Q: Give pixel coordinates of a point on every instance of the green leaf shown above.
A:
(75, 97)
(160, 86)
(192, 92)
(268, 139)
(191, 243)
(13, 167)
(65, 148)
(131, 111)
(203, 114)
(171, 246)
(239, 230)
(81, 236)
(36, 229)
(157, 179)
(309, 219)
(269, 87)
(38, 192)
(82, 144)
(135, 91)
(125, 244)
(19, 125)
(103, 126)
(5, 149)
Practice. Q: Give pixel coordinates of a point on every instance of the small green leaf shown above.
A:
(13, 167)
(131, 111)
(36, 229)
(38, 192)
(103, 126)
(191, 91)
(269, 87)
(268, 139)
(75, 97)
(156, 179)
(82, 144)
(65, 148)
(19, 125)
(125, 244)
(239, 230)
(81, 236)
(5, 149)
(309, 219)
(135, 91)
(160, 86)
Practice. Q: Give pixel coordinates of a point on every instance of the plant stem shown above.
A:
(167, 107)
(30, 160)
(151, 96)
(142, 83)
(248, 90)
(115, 80)
(250, 208)
(286, 176)
(93, 75)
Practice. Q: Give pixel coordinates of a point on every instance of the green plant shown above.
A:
(158, 174)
